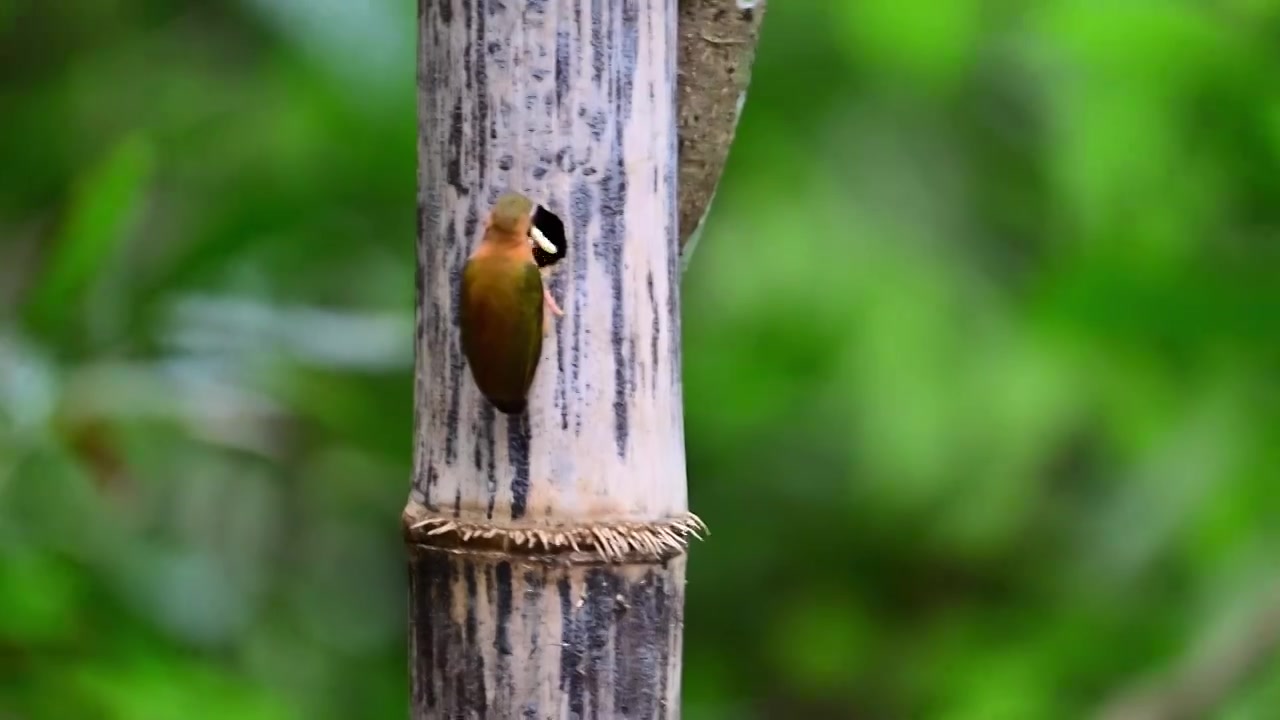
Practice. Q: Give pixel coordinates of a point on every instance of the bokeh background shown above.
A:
(981, 353)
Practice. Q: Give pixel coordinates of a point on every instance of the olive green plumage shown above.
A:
(502, 308)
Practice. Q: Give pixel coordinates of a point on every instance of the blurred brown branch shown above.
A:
(1207, 676)
(716, 48)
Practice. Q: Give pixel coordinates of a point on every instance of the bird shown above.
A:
(502, 299)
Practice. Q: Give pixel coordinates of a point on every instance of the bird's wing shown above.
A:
(531, 304)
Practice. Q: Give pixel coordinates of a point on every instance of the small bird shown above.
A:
(502, 299)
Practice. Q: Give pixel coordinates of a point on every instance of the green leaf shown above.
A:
(99, 215)
(40, 598)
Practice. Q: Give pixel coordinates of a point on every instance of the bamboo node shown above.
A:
(613, 541)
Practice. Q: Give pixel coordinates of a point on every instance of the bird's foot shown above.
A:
(551, 303)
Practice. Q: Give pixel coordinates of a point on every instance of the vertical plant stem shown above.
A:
(547, 550)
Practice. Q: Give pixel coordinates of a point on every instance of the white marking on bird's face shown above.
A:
(542, 241)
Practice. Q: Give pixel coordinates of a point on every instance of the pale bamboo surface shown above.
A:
(572, 103)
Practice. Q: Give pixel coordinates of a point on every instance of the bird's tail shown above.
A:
(509, 406)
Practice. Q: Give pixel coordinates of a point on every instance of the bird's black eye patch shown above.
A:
(552, 227)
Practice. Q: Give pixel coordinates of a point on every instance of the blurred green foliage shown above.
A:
(981, 354)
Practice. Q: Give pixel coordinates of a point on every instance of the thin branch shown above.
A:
(717, 46)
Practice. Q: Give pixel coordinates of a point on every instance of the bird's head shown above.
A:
(512, 213)
(517, 215)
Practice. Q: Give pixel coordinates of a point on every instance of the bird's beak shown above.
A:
(542, 241)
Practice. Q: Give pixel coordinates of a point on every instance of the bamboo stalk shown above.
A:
(547, 551)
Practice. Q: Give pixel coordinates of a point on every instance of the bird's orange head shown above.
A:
(512, 213)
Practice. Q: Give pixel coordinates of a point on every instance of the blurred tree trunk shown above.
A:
(547, 551)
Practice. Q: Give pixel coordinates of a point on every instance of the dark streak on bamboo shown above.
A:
(580, 202)
(518, 452)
